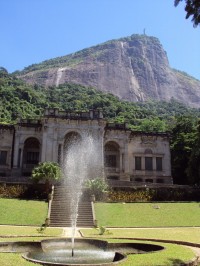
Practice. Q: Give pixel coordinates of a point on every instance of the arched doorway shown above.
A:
(112, 159)
(71, 138)
(31, 155)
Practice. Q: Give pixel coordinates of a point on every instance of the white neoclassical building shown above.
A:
(125, 155)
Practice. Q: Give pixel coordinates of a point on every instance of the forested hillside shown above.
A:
(17, 99)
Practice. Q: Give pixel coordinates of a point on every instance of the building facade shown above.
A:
(124, 155)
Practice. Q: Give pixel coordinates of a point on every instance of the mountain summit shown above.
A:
(134, 68)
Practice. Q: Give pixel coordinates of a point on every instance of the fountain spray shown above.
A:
(80, 160)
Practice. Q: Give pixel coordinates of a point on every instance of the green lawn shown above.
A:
(147, 214)
(21, 233)
(172, 255)
(187, 234)
(22, 212)
(13, 259)
(11, 233)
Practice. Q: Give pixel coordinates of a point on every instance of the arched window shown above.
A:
(72, 138)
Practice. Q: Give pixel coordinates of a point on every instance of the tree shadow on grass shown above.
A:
(177, 262)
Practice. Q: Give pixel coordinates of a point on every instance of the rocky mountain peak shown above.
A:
(134, 68)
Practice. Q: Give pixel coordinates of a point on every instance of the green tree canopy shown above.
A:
(182, 143)
(193, 170)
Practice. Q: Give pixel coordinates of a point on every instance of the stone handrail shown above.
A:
(93, 214)
(49, 206)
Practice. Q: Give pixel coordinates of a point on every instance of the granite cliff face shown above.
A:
(134, 68)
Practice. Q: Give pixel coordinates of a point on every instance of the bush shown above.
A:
(129, 196)
(97, 187)
(12, 191)
(23, 191)
(47, 172)
(154, 194)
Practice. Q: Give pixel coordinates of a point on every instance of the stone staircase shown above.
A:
(60, 209)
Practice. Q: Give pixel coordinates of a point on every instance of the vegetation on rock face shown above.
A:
(77, 57)
(18, 99)
(134, 68)
(21, 100)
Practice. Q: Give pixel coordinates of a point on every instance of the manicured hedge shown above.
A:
(33, 191)
(153, 194)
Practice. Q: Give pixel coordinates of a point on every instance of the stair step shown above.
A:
(60, 209)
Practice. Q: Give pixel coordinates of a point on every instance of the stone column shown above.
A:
(21, 156)
(44, 144)
(154, 163)
(16, 150)
(143, 163)
(55, 145)
(101, 150)
(126, 158)
(121, 161)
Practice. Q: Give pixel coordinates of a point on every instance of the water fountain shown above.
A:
(81, 161)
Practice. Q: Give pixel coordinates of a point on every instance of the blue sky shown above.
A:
(36, 30)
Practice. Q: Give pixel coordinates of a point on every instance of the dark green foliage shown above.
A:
(193, 170)
(148, 116)
(182, 144)
(3, 72)
(18, 99)
(46, 171)
(192, 8)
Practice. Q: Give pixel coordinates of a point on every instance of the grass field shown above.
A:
(147, 214)
(187, 234)
(21, 232)
(172, 255)
(16, 233)
(22, 212)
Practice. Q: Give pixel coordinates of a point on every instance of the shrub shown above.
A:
(103, 230)
(33, 191)
(129, 196)
(12, 191)
(46, 171)
(97, 187)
